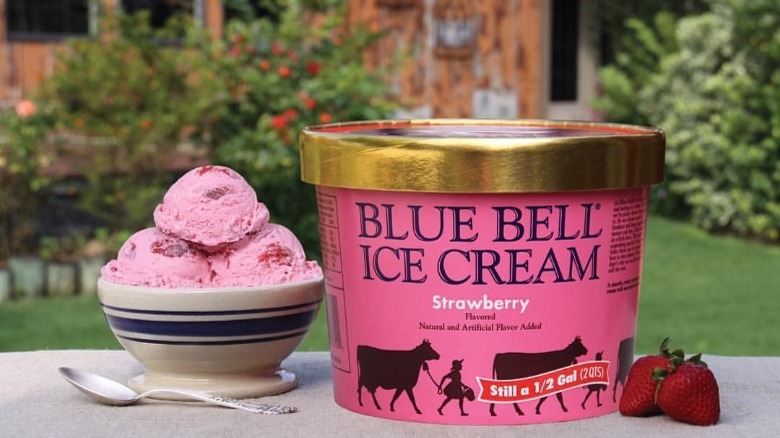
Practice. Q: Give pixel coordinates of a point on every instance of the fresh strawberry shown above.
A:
(638, 398)
(688, 392)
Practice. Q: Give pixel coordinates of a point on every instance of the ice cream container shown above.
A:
(481, 272)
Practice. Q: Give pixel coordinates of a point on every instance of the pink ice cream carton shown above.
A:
(481, 272)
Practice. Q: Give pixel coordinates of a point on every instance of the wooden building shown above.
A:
(459, 58)
(32, 30)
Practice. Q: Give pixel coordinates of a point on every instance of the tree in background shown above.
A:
(636, 35)
(24, 132)
(281, 73)
(126, 102)
(615, 16)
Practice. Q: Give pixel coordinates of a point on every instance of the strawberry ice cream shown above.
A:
(210, 206)
(152, 258)
(211, 231)
(271, 256)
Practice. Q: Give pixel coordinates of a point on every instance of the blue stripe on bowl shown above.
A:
(209, 312)
(209, 343)
(239, 327)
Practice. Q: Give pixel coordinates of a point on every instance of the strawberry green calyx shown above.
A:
(677, 358)
(664, 347)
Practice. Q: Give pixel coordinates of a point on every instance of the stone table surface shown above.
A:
(35, 401)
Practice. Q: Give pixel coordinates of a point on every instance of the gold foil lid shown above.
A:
(481, 156)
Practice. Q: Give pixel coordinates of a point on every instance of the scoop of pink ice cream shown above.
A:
(272, 256)
(210, 206)
(151, 258)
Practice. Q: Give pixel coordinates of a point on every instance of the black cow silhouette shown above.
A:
(596, 387)
(509, 366)
(625, 360)
(392, 369)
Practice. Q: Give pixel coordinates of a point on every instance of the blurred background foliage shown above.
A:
(711, 80)
(21, 179)
(126, 105)
(277, 78)
(706, 71)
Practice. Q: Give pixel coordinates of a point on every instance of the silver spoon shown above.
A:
(114, 393)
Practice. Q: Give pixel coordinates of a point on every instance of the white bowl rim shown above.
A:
(212, 290)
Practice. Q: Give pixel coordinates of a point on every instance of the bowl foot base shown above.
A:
(224, 385)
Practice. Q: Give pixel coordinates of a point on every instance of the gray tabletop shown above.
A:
(35, 401)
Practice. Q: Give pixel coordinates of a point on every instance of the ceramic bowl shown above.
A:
(225, 341)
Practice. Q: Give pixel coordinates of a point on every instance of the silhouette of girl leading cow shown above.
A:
(456, 389)
(399, 370)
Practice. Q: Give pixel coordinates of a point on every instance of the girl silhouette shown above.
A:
(455, 388)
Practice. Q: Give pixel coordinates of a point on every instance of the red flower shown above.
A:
(291, 114)
(25, 108)
(277, 49)
(314, 68)
(279, 121)
(234, 52)
(285, 71)
(307, 100)
(326, 118)
(264, 65)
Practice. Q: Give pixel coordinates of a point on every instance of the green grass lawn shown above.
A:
(713, 294)
(78, 323)
(718, 295)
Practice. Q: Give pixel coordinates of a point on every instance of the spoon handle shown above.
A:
(257, 408)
